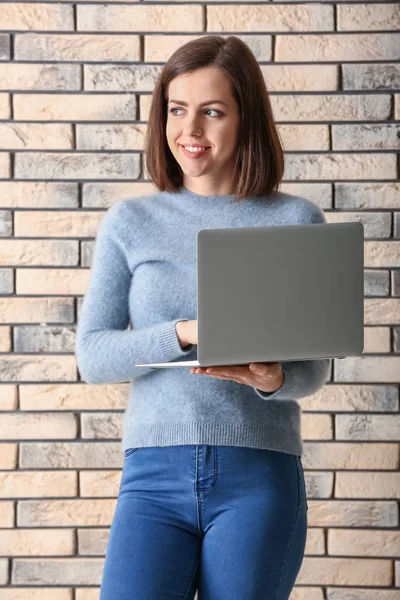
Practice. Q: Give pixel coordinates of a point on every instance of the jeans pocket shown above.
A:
(130, 451)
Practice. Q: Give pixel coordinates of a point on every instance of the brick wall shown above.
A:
(73, 80)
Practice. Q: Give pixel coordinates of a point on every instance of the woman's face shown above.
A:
(213, 124)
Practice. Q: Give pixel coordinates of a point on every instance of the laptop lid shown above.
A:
(280, 293)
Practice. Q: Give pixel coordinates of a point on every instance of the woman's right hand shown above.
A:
(187, 332)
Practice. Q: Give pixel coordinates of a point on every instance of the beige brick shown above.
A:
(121, 78)
(340, 166)
(158, 48)
(37, 425)
(5, 346)
(57, 223)
(368, 368)
(75, 455)
(103, 195)
(366, 137)
(57, 571)
(35, 137)
(99, 483)
(316, 427)
(354, 107)
(368, 195)
(77, 397)
(4, 571)
(139, 18)
(368, 17)
(382, 254)
(6, 287)
(382, 311)
(348, 398)
(37, 310)
(110, 137)
(376, 225)
(319, 484)
(5, 165)
(19, 76)
(44, 17)
(348, 593)
(9, 452)
(4, 46)
(90, 594)
(318, 192)
(8, 398)
(301, 593)
(315, 544)
(363, 543)
(370, 484)
(7, 513)
(5, 106)
(145, 103)
(304, 137)
(301, 77)
(397, 107)
(60, 47)
(5, 223)
(93, 542)
(28, 542)
(345, 571)
(368, 427)
(77, 165)
(21, 484)
(79, 512)
(75, 107)
(376, 339)
(279, 18)
(342, 455)
(370, 76)
(52, 281)
(39, 593)
(338, 47)
(101, 425)
(41, 338)
(33, 367)
(39, 252)
(38, 194)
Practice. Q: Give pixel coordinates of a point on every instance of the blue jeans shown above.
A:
(230, 522)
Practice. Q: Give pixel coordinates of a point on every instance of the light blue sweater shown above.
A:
(142, 282)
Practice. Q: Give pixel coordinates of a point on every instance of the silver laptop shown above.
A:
(278, 293)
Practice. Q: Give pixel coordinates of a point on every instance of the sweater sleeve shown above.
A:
(106, 351)
(302, 378)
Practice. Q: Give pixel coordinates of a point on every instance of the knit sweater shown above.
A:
(143, 280)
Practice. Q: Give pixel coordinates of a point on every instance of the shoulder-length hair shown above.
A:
(259, 163)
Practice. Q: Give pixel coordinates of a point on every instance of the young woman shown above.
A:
(212, 494)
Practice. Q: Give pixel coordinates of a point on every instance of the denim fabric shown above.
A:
(227, 521)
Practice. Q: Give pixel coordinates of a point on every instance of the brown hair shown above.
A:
(259, 163)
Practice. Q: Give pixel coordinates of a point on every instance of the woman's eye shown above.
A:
(171, 110)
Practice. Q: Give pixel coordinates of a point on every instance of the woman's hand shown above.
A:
(187, 332)
(267, 377)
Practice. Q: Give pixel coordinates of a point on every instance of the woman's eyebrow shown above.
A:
(202, 104)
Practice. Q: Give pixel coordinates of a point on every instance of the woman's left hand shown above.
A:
(267, 377)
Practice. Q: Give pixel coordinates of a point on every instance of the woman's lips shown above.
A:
(194, 154)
